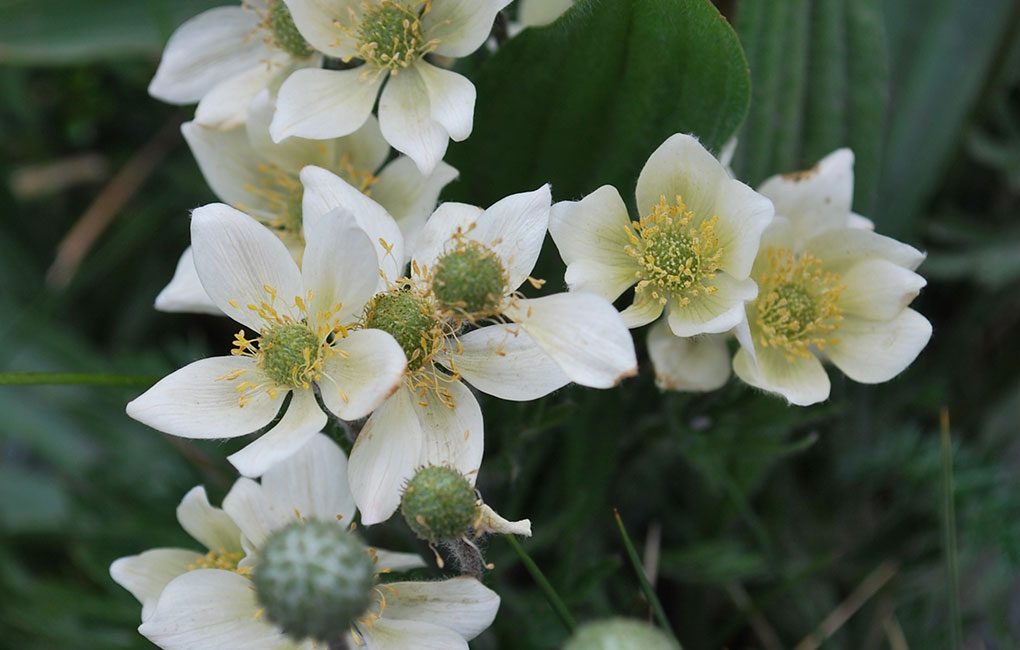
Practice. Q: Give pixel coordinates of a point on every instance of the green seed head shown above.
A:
(439, 504)
(470, 280)
(619, 634)
(314, 579)
(408, 317)
(285, 32)
(290, 354)
(390, 35)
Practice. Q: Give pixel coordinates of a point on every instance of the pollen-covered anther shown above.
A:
(389, 33)
(677, 252)
(797, 308)
(220, 559)
(469, 280)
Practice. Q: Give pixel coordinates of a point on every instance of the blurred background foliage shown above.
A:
(763, 524)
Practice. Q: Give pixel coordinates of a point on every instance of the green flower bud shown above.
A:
(619, 634)
(314, 579)
(439, 504)
(470, 280)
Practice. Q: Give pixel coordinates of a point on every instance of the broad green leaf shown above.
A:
(58, 32)
(584, 101)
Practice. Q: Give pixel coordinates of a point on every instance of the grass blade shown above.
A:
(646, 587)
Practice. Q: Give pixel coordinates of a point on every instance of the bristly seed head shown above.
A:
(470, 281)
(678, 256)
(290, 354)
(285, 33)
(410, 318)
(390, 34)
(439, 504)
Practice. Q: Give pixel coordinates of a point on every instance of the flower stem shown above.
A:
(646, 586)
(73, 379)
(949, 532)
(550, 593)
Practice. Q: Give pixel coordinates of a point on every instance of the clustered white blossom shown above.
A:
(362, 301)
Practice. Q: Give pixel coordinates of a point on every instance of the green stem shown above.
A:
(73, 379)
(646, 586)
(949, 532)
(550, 593)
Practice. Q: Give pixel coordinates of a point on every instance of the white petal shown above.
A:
(249, 505)
(802, 381)
(875, 351)
(210, 609)
(147, 574)
(409, 196)
(491, 522)
(384, 457)
(340, 268)
(840, 248)
(536, 13)
(642, 312)
(461, 26)
(228, 163)
(325, 192)
(366, 148)
(855, 220)
(198, 401)
(503, 360)
(205, 50)
(681, 166)
(407, 123)
(715, 312)
(439, 230)
(688, 364)
(514, 228)
(185, 293)
(454, 437)
(392, 561)
(322, 104)
(290, 155)
(591, 235)
(368, 367)
(209, 525)
(312, 482)
(583, 333)
(237, 259)
(302, 420)
(878, 289)
(227, 105)
(451, 99)
(462, 604)
(816, 199)
(385, 634)
(743, 217)
(322, 23)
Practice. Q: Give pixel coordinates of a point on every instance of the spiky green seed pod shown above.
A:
(619, 634)
(439, 504)
(314, 579)
(470, 280)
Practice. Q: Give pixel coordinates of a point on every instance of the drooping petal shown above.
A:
(462, 604)
(386, 634)
(451, 99)
(368, 366)
(340, 268)
(302, 420)
(228, 104)
(802, 381)
(322, 24)
(591, 235)
(201, 400)
(451, 436)
(878, 289)
(210, 526)
(840, 248)
(503, 360)
(875, 351)
(715, 312)
(312, 482)
(409, 196)
(321, 104)
(392, 561)
(211, 609)
(583, 333)
(437, 235)
(242, 263)
(681, 166)
(698, 364)
(185, 293)
(461, 26)
(214, 45)
(406, 120)
(491, 522)
(816, 199)
(147, 574)
(514, 228)
(384, 457)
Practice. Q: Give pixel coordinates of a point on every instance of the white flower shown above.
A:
(690, 253)
(212, 603)
(828, 286)
(303, 320)
(247, 170)
(223, 57)
(535, 346)
(536, 13)
(422, 106)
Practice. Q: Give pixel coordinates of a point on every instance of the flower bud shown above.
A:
(439, 504)
(619, 634)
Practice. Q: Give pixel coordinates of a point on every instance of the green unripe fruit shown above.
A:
(470, 280)
(289, 355)
(619, 634)
(407, 317)
(439, 504)
(314, 579)
(285, 32)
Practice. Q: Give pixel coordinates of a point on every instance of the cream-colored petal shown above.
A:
(405, 116)
(451, 99)
(185, 293)
(302, 420)
(875, 351)
(715, 312)
(227, 105)
(537, 13)
(642, 312)
(312, 483)
(288, 156)
(321, 104)
(451, 436)
(743, 217)
(229, 165)
(514, 228)
(698, 364)
(324, 24)
(816, 199)
(367, 367)
(437, 235)
(492, 523)
(838, 249)
(210, 526)
(340, 268)
(461, 26)
(878, 289)
(802, 381)
(410, 196)
(249, 506)
(385, 634)
(462, 604)
(147, 574)
(392, 561)
(681, 166)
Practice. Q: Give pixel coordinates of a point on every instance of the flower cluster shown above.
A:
(364, 307)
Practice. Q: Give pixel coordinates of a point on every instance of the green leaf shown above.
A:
(59, 32)
(585, 101)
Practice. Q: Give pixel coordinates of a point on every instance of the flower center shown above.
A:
(282, 192)
(411, 319)
(390, 34)
(470, 280)
(796, 308)
(291, 355)
(676, 256)
(222, 559)
(439, 504)
(285, 33)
